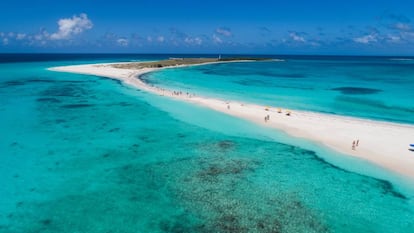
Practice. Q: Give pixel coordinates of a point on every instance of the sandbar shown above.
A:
(382, 143)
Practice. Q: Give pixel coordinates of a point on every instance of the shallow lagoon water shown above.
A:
(374, 88)
(87, 154)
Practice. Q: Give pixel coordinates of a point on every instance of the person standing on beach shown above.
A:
(357, 143)
(353, 145)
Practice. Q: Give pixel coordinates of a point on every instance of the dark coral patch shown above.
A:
(226, 144)
(76, 105)
(46, 222)
(356, 90)
(50, 100)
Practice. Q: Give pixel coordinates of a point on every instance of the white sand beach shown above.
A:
(382, 143)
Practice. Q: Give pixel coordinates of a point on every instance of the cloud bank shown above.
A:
(389, 32)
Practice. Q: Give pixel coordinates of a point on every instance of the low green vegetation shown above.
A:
(244, 59)
(181, 61)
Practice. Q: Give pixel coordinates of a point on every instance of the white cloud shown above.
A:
(1, 34)
(122, 42)
(160, 39)
(224, 31)
(217, 39)
(294, 36)
(20, 36)
(394, 39)
(5, 41)
(42, 35)
(193, 41)
(72, 26)
(198, 41)
(149, 38)
(409, 36)
(402, 26)
(38, 37)
(366, 39)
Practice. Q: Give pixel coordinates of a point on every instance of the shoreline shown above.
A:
(381, 143)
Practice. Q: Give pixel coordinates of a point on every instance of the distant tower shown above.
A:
(219, 58)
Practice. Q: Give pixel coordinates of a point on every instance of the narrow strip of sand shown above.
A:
(382, 143)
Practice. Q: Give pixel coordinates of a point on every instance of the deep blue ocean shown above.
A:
(83, 153)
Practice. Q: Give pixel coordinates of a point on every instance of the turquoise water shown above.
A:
(375, 88)
(87, 154)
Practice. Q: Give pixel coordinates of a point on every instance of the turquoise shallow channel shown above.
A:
(83, 153)
(369, 87)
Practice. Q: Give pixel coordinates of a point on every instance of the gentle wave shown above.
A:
(401, 59)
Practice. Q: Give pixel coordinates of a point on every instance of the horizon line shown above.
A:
(210, 54)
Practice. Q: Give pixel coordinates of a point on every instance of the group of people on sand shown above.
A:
(180, 93)
(173, 93)
(279, 110)
(355, 144)
(177, 93)
(189, 95)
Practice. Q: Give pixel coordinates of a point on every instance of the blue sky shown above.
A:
(364, 27)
